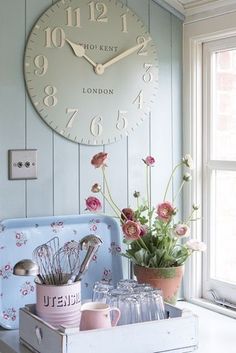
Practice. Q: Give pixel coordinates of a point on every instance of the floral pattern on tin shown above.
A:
(114, 249)
(93, 224)
(107, 275)
(6, 271)
(9, 314)
(27, 288)
(95, 257)
(57, 226)
(21, 239)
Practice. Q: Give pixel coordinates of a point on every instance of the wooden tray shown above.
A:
(179, 333)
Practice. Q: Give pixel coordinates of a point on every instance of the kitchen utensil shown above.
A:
(43, 255)
(67, 259)
(90, 243)
(27, 267)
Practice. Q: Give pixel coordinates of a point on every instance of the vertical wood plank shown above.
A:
(117, 171)
(139, 140)
(88, 174)
(66, 164)
(66, 184)
(161, 120)
(39, 193)
(176, 62)
(12, 103)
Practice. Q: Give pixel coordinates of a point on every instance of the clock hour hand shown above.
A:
(80, 52)
(125, 54)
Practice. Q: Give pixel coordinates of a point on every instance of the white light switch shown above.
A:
(22, 164)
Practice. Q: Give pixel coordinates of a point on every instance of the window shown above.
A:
(219, 167)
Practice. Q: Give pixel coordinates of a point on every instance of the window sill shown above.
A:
(214, 307)
(216, 331)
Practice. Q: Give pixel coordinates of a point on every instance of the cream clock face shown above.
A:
(91, 70)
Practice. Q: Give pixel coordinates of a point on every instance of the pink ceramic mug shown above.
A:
(95, 315)
(59, 305)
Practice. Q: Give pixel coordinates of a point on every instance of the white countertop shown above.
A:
(217, 333)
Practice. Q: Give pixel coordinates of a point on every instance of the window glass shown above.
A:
(224, 109)
(223, 247)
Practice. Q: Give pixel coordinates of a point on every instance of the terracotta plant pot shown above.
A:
(166, 279)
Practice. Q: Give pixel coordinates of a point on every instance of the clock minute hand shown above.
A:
(125, 54)
(80, 52)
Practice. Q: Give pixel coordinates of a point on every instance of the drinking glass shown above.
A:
(100, 291)
(127, 284)
(129, 305)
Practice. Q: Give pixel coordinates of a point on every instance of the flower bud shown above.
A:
(136, 194)
(187, 177)
(96, 188)
(195, 207)
(149, 161)
(188, 161)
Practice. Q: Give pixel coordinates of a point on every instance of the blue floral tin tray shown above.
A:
(19, 237)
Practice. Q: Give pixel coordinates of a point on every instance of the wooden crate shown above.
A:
(179, 334)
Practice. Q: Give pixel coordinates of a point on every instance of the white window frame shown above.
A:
(224, 289)
(195, 34)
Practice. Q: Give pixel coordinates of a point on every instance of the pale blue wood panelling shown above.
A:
(65, 172)
(117, 171)
(12, 103)
(176, 71)
(117, 174)
(66, 164)
(139, 142)
(39, 197)
(66, 183)
(161, 121)
(88, 175)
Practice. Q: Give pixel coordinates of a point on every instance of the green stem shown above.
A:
(148, 194)
(111, 202)
(143, 244)
(138, 202)
(114, 209)
(190, 217)
(181, 187)
(171, 176)
(147, 184)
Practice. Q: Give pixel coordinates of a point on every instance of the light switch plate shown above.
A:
(22, 164)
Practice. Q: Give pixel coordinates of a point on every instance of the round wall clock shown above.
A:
(91, 70)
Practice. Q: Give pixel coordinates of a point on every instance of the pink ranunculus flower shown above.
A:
(149, 161)
(131, 230)
(127, 214)
(144, 230)
(165, 211)
(182, 230)
(93, 204)
(98, 159)
(196, 245)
